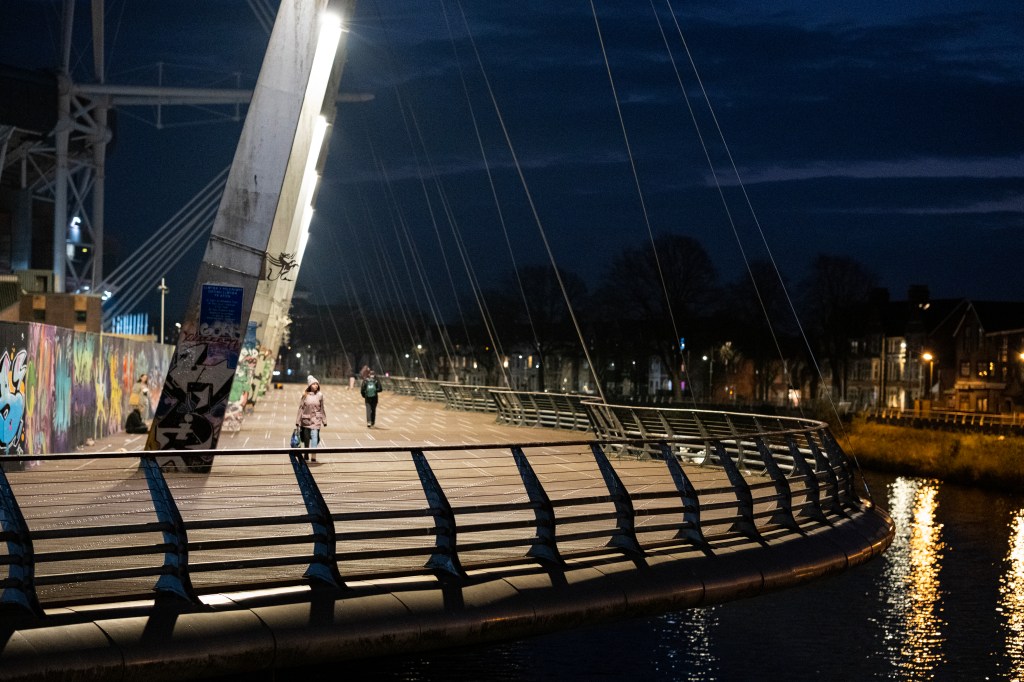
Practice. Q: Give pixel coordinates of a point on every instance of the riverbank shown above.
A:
(971, 459)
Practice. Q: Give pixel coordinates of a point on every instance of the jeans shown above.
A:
(310, 437)
(371, 411)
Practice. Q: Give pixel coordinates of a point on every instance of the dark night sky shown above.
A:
(889, 132)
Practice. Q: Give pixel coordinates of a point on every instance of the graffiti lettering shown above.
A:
(13, 368)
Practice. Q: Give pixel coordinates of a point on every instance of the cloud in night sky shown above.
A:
(891, 132)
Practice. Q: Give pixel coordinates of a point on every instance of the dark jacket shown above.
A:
(377, 388)
(134, 423)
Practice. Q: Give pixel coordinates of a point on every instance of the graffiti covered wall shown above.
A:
(59, 387)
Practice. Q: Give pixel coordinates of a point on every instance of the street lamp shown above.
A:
(930, 359)
(711, 375)
(163, 294)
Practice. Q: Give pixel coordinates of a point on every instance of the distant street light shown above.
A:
(930, 359)
(163, 294)
(711, 375)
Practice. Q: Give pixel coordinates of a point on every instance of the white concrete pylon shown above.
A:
(257, 214)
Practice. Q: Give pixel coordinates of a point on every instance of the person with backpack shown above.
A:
(370, 389)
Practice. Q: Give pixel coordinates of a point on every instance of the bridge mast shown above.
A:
(265, 211)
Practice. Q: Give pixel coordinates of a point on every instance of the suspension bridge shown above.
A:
(438, 527)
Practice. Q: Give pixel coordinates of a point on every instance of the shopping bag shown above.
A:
(295, 438)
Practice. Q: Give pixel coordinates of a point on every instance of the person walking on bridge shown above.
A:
(311, 417)
(370, 389)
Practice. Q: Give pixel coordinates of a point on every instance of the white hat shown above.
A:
(310, 380)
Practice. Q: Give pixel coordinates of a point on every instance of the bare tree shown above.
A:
(837, 292)
(544, 317)
(651, 309)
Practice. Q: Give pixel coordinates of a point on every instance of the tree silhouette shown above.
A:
(836, 298)
(637, 310)
(544, 321)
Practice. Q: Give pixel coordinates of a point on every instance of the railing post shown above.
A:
(744, 525)
(546, 547)
(741, 457)
(445, 557)
(837, 457)
(19, 589)
(691, 504)
(324, 567)
(175, 580)
(812, 487)
(783, 516)
(625, 538)
(705, 434)
(822, 464)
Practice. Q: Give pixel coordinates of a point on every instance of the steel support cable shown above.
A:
(430, 209)
(373, 292)
(266, 20)
(138, 288)
(366, 277)
(533, 208)
(138, 291)
(488, 319)
(330, 312)
(388, 276)
(392, 210)
(466, 263)
(161, 241)
(640, 195)
(718, 184)
(172, 228)
(327, 307)
(117, 33)
(485, 316)
(334, 322)
(428, 290)
(490, 181)
(414, 322)
(717, 181)
(771, 256)
(481, 301)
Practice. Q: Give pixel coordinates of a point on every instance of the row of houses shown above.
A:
(917, 354)
(957, 355)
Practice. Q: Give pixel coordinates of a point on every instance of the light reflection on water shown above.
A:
(912, 623)
(1011, 597)
(945, 602)
(685, 646)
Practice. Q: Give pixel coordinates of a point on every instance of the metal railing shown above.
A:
(469, 398)
(424, 389)
(551, 410)
(116, 527)
(949, 420)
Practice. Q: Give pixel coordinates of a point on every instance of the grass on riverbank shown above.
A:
(974, 459)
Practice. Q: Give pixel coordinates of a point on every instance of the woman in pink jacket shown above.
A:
(311, 417)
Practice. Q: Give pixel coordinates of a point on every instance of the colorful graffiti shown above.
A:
(246, 385)
(60, 387)
(12, 401)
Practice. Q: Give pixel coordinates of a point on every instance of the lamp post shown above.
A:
(930, 359)
(710, 359)
(163, 295)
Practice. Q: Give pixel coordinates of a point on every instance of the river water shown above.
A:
(945, 602)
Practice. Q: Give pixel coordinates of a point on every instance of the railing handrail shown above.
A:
(791, 479)
(943, 416)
